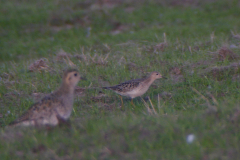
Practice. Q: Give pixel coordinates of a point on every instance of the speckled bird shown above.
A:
(54, 108)
(136, 87)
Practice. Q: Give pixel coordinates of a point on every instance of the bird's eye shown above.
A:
(75, 74)
(157, 74)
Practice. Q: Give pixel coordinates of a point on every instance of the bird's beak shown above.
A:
(83, 78)
(164, 77)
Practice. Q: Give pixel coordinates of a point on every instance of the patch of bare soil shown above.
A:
(201, 63)
(202, 45)
(175, 71)
(64, 57)
(101, 48)
(106, 4)
(160, 46)
(176, 75)
(118, 28)
(184, 2)
(38, 65)
(106, 106)
(61, 55)
(235, 117)
(236, 77)
(101, 97)
(8, 76)
(96, 59)
(102, 81)
(79, 91)
(99, 60)
(58, 23)
(220, 72)
(237, 36)
(13, 95)
(9, 84)
(156, 48)
(226, 53)
(39, 148)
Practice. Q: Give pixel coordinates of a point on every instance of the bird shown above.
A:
(136, 87)
(53, 108)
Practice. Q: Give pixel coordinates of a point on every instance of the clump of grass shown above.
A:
(152, 110)
(38, 65)
(226, 53)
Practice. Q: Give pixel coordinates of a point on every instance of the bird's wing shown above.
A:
(46, 103)
(126, 86)
(26, 115)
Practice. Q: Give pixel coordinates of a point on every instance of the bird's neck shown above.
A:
(149, 80)
(65, 90)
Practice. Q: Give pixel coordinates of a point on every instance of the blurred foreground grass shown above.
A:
(193, 43)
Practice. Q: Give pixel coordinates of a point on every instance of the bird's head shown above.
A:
(156, 75)
(71, 77)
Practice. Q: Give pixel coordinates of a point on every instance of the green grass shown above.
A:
(194, 101)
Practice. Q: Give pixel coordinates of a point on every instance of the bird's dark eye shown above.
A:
(75, 74)
(156, 74)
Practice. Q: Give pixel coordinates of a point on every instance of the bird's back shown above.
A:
(126, 86)
(41, 109)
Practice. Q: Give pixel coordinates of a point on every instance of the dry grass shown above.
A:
(237, 36)
(226, 53)
(38, 65)
(219, 72)
(151, 110)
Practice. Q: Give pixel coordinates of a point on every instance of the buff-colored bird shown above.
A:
(53, 108)
(136, 87)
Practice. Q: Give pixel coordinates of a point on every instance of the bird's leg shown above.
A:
(121, 100)
(132, 103)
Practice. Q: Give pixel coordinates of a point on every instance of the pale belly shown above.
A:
(65, 112)
(52, 121)
(136, 92)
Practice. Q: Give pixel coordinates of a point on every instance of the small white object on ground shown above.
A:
(190, 138)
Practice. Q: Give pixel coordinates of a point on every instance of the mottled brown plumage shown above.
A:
(125, 86)
(53, 108)
(136, 87)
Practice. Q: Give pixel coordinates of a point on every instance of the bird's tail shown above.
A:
(13, 123)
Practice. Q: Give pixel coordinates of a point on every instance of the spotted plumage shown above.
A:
(125, 86)
(54, 107)
(136, 87)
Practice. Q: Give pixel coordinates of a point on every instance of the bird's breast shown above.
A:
(135, 92)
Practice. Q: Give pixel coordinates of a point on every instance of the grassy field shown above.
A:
(194, 114)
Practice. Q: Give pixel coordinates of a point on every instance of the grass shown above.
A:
(112, 44)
